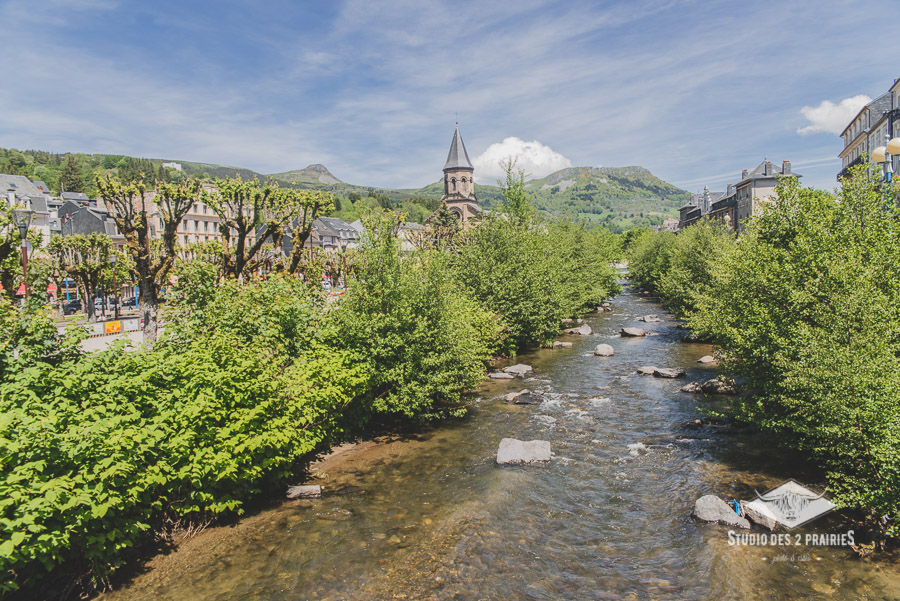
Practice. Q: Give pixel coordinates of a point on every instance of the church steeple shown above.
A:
(458, 158)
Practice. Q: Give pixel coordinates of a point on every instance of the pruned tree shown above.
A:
(250, 214)
(309, 206)
(149, 221)
(84, 259)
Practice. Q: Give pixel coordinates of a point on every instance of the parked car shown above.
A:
(71, 306)
(129, 303)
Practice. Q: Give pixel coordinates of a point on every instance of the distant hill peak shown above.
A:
(311, 174)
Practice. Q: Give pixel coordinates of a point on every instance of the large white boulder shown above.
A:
(523, 452)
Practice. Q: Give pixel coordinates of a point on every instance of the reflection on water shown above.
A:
(609, 518)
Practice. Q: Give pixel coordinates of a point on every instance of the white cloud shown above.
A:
(534, 158)
(832, 118)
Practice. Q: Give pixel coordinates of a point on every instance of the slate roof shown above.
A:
(458, 158)
(74, 196)
(41, 186)
(24, 188)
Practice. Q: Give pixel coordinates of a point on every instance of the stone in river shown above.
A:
(646, 370)
(706, 359)
(693, 387)
(669, 372)
(523, 452)
(520, 369)
(717, 386)
(560, 344)
(604, 350)
(757, 512)
(523, 397)
(633, 332)
(305, 491)
(710, 508)
(584, 330)
(501, 375)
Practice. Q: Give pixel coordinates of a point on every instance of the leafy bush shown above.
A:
(808, 309)
(425, 339)
(98, 449)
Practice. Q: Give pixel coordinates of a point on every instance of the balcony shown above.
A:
(846, 170)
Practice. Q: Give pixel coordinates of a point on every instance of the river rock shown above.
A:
(522, 452)
(646, 370)
(501, 375)
(693, 387)
(604, 350)
(649, 318)
(520, 369)
(706, 359)
(668, 372)
(304, 491)
(758, 513)
(583, 330)
(604, 305)
(560, 344)
(568, 320)
(717, 386)
(710, 508)
(633, 332)
(523, 397)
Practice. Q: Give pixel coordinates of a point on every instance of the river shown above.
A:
(434, 517)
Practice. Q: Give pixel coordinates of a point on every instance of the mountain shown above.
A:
(617, 198)
(315, 175)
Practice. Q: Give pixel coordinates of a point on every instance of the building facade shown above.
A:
(872, 126)
(459, 183)
(740, 202)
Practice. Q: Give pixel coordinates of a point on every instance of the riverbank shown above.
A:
(433, 517)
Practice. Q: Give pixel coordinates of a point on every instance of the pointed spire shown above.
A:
(458, 158)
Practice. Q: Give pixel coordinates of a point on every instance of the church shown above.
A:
(459, 184)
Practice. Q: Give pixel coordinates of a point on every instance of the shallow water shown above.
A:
(435, 518)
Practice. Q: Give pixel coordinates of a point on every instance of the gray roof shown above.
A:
(340, 226)
(458, 158)
(41, 186)
(24, 188)
(412, 225)
(74, 196)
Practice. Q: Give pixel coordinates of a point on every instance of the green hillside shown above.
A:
(615, 197)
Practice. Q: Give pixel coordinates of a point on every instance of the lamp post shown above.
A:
(884, 154)
(113, 259)
(22, 220)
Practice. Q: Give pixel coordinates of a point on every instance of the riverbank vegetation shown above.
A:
(805, 306)
(104, 452)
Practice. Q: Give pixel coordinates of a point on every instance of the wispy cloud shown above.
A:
(682, 87)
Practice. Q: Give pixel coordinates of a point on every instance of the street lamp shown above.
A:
(884, 154)
(22, 220)
(113, 259)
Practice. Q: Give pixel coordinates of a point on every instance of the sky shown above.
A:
(694, 91)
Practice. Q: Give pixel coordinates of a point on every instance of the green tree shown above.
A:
(149, 224)
(84, 259)
(70, 178)
(807, 309)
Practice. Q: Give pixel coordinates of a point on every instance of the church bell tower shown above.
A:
(459, 184)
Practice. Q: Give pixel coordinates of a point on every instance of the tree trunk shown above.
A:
(149, 305)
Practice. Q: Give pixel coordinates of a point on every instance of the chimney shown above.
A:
(744, 174)
(729, 190)
(785, 167)
(767, 170)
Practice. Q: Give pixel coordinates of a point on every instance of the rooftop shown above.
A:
(458, 158)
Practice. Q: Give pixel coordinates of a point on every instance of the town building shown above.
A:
(175, 166)
(741, 201)
(870, 128)
(459, 183)
(29, 196)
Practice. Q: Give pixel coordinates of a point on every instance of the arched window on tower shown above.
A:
(453, 185)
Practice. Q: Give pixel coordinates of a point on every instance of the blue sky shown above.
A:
(694, 91)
